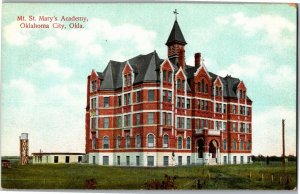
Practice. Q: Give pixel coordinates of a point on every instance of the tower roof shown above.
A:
(176, 35)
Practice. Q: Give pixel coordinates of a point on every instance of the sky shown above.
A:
(44, 71)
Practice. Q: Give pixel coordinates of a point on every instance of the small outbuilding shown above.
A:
(57, 157)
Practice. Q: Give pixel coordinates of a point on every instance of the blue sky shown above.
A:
(44, 70)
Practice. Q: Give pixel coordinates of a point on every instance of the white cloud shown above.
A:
(267, 131)
(48, 43)
(247, 66)
(275, 78)
(15, 35)
(50, 66)
(278, 30)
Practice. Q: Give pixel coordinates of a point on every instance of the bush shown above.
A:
(167, 183)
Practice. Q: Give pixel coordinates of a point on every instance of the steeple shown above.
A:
(176, 35)
(176, 43)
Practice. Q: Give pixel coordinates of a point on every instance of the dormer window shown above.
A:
(183, 84)
(164, 75)
(94, 85)
(178, 84)
(170, 77)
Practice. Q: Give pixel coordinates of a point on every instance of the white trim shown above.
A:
(199, 68)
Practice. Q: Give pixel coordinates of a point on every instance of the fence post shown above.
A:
(262, 177)
(272, 178)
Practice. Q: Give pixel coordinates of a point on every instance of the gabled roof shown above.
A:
(176, 35)
(144, 68)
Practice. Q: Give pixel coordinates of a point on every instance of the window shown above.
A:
(224, 144)
(128, 160)
(242, 127)
(125, 99)
(105, 142)
(119, 101)
(242, 160)
(127, 141)
(150, 95)
(150, 141)
(179, 160)
(137, 141)
(105, 122)
(105, 160)
(127, 120)
(249, 145)
(234, 145)
(206, 88)
(202, 86)
(138, 96)
(94, 85)
(178, 102)
(198, 104)
(234, 159)
(225, 159)
(241, 145)
(188, 143)
(199, 87)
(138, 118)
(118, 160)
(166, 141)
(137, 160)
(166, 160)
(150, 118)
(188, 103)
(248, 159)
(169, 96)
(164, 75)
(188, 123)
(94, 143)
(178, 84)
(224, 108)
(79, 159)
(170, 77)
(182, 102)
(164, 96)
(169, 119)
(188, 160)
(94, 123)
(234, 127)
(55, 159)
(118, 141)
(106, 102)
(224, 126)
(233, 109)
(248, 110)
(94, 159)
(164, 118)
(67, 159)
(183, 84)
(129, 98)
(150, 161)
(94, 103)
(179, 143)
(119, 118)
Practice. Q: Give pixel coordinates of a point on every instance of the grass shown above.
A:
(74, 176)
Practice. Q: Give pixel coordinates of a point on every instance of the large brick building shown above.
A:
(147, 111)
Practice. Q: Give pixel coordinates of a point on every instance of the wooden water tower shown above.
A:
(24, 147)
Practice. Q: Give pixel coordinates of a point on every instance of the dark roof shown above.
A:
(176, 35)
(145, 68)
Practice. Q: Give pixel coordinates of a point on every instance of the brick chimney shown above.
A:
(181, 61)
(197, 59)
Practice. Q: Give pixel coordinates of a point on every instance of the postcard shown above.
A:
(146, 96)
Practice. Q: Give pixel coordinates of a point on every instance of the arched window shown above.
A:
(137, 141)
(224, 144)
(94, 143)
(188, 143)
(202, 85)
(206, 88)
(118, 141)
(179, 143)
(241, 145)
(105, 142)
(199, 87)
(150, 141)
(166, 141)
(249, 145)
(234, 144)
(127, 141)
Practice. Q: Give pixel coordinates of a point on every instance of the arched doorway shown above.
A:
(200, 145)
(213, 145)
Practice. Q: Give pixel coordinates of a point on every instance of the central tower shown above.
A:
(176, 43)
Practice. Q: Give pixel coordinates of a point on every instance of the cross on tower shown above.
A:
(175, 13)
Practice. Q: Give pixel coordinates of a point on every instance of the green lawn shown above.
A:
(74, 176)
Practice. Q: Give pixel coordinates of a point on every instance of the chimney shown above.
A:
(181, 60)
(197, 59)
